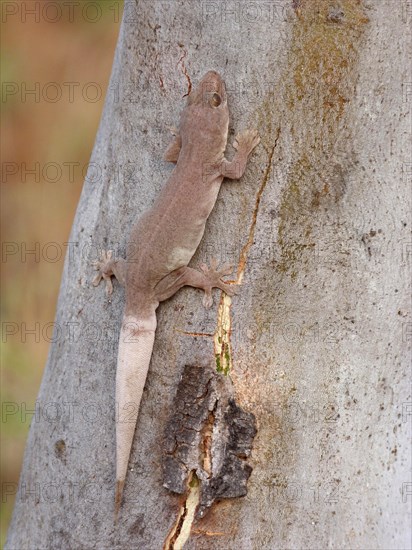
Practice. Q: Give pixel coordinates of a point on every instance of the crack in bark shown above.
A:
(221, 339)
(245, 250)
(180, 532)
(184, 70)
(195, 334)
(222, 344)
(206, 442)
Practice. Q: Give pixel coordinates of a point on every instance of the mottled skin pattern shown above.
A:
(163, 241)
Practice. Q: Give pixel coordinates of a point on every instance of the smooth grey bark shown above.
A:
(321, 327)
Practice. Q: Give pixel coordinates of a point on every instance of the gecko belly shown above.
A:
(179, 257)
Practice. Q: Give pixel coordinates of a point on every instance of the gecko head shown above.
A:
(207, 111)
(210, 92)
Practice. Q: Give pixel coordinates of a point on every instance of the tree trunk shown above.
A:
(316, 341)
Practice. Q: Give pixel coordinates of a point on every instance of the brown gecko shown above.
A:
(163, 241)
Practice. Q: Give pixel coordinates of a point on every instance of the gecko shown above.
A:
(163, 241)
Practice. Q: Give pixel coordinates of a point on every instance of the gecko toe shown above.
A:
(109, 285)
(207, 299)
(97, 279)
(226, 269)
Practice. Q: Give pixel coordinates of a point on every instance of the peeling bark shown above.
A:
(208, 434)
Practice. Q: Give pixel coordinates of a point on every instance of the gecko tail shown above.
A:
(118, 499)
(135, 350)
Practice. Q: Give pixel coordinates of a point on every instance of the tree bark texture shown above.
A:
(316, 344)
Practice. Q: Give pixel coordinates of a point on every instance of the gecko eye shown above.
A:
(215, 100)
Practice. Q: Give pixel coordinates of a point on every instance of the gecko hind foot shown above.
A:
(214, 279)
(104, 266)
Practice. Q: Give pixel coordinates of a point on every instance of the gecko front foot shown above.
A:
(104, 266)
(246, 141)
(213, 277)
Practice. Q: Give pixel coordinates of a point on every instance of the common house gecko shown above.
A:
(163, 241)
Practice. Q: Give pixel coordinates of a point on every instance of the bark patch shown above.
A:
(209, 434)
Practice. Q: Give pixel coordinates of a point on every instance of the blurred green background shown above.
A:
(41, 51)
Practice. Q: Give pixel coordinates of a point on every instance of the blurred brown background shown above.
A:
(46, 124)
